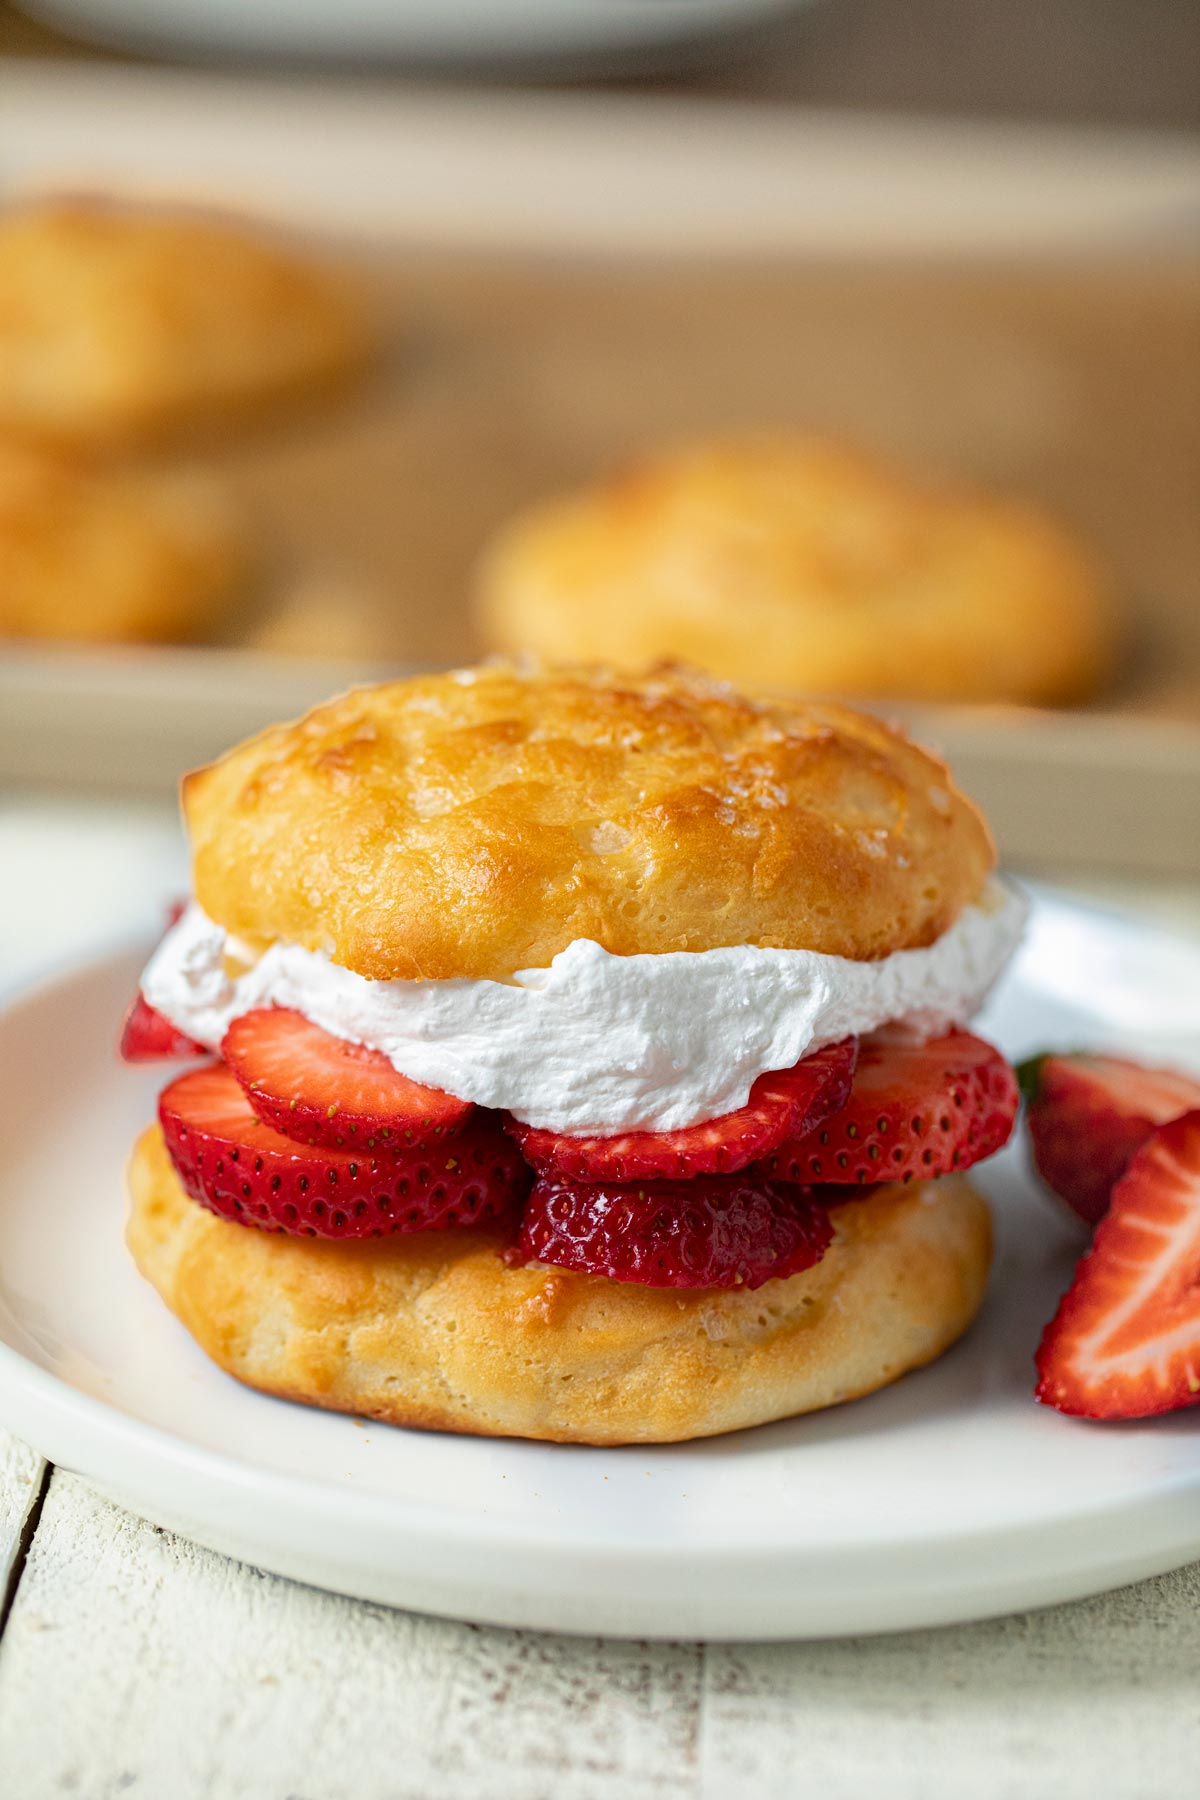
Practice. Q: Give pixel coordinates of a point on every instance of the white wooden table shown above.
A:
(134, 1663)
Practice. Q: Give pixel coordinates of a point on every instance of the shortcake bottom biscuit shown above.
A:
(434, 1330)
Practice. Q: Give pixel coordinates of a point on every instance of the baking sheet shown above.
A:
(560, 284)
(509, 377)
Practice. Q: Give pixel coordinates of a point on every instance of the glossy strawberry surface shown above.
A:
(321, 1089)
(915, 1110)
(246, 1171)
(1125, 1341)
(782, 1104)
(709, 1231)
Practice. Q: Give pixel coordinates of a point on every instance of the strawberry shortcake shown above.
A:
(574, 1057)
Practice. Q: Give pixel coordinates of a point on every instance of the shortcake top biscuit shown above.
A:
(121, 324)
(788, 561)
(476, 823)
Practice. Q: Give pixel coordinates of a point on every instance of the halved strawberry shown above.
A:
(240, 1168)
(147, 1037)
(1088, 1114)
(319, 1089)
(915, 1111)
(708, 1231)
(1125, 1341)
(781, 1105)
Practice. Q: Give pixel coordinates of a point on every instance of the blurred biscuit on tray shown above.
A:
(792, 561)
(112, 555)
(321, 614)
(124, 325)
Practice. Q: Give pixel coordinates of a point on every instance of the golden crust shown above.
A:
(434, 1331)
(111, 557)
(120, 324)
(790, 561)
(474, 824)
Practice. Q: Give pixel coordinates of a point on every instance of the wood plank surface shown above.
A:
(1096, 1701)
(22, 1476)
(137, 1664)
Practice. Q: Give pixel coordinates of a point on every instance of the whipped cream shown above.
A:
(598, 1043)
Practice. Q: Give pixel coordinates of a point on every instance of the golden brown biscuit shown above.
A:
(433, 1330)
(476, 823)
(791, 562)
(322, 616)
(121, 324)
(111, 557)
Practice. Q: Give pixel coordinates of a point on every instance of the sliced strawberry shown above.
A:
(1088, 1114)
(1125, 1341)
(709, 1231)
(147, 1037)
(915, 1111)
(781, 1105)
(319, 1089)
(240, 1168)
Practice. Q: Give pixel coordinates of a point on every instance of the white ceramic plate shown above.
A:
(949, 1497)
